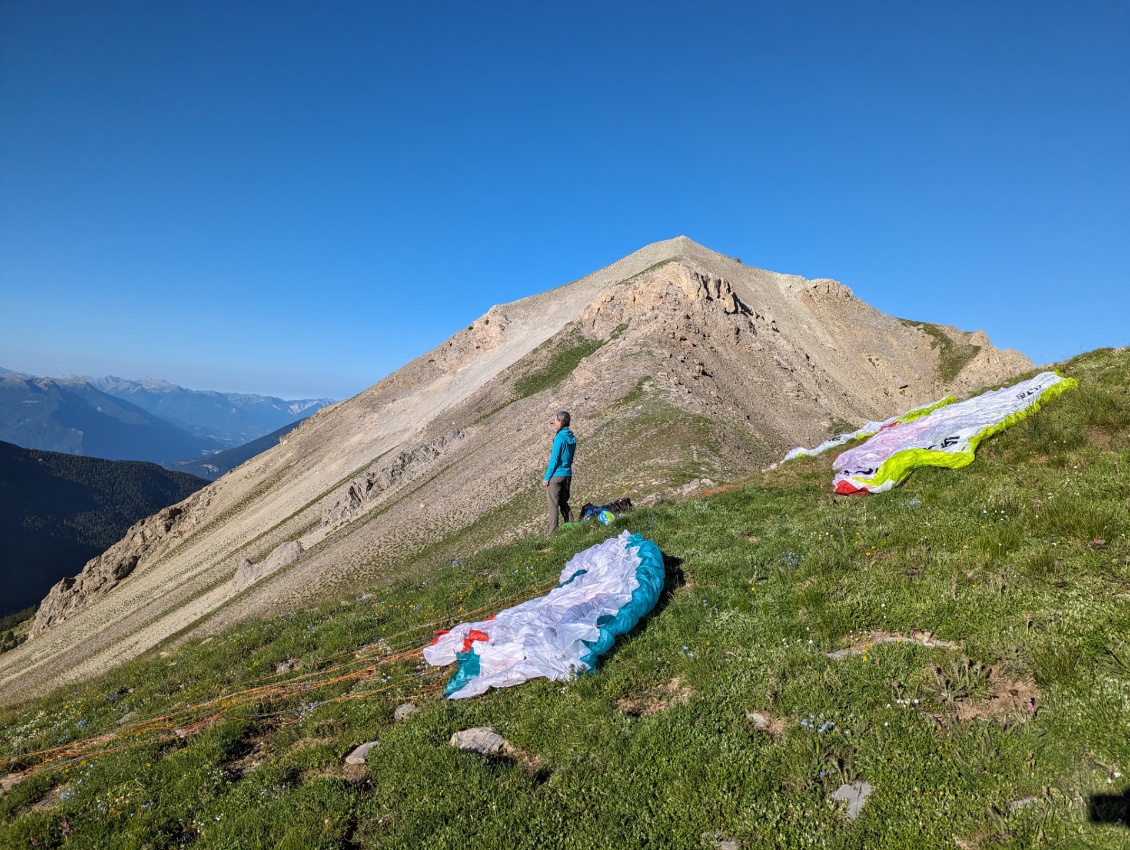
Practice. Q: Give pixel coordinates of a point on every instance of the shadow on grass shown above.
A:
(674, 578)
(1110, 808)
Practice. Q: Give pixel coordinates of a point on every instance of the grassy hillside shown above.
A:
(1001, 721)
(57, 511)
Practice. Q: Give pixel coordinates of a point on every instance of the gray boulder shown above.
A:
(361, 754)
(482, 740)
(855, 795)
(403, 712)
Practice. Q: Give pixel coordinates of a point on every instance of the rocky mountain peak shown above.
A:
(677, 363)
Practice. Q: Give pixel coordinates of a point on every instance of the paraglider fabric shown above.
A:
(869, 429)
(947, 436)
(603, 592)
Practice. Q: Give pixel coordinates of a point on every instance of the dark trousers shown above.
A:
(557, 495)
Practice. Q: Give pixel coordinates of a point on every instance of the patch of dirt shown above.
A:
(12, 780)
(969, 690)
(722, 488)
(1102, 437)
(250, 752)
(971, 843)
(533, 764)
(1010, 698)
(766, 722)
(656, 699)
(243, 765)
(49, 800)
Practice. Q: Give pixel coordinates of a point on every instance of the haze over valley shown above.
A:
(151, 420)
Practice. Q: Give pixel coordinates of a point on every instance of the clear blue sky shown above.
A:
(296, 198)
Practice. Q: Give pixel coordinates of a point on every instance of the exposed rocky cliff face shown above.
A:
(366, 488)
(102, 574)
(676, 362)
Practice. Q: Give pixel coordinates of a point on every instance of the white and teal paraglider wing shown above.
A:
(603, 592)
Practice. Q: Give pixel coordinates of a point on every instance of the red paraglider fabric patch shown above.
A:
(473, 636)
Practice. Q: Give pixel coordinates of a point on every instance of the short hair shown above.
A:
(563, 417)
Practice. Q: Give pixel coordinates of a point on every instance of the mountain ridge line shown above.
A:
(699, 366)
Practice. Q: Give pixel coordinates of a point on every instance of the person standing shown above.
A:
(559, 471)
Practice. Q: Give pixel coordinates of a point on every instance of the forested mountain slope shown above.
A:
(57, 511)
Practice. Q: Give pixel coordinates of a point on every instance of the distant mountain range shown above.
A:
(57, 511)
(213, 466)
(152, 420)
(235, 418)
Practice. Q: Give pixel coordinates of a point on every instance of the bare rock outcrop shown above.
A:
(366, 488)
(248, 573)
(103, 573)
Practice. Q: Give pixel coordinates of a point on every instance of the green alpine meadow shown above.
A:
(943, 665)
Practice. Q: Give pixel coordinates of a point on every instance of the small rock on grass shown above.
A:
(719, 841)
(1016, 805)
(855, 795)
(403, 712)
(484, 741)
(758, 719)
(481, 740)
(361, 754)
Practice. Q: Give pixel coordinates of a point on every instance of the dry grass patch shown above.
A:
(348, 772)
(866, 640)
(656, 699)
(1008, 699)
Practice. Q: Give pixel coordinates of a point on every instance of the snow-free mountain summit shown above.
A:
(677, 363)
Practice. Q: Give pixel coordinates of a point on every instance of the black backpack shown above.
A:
(617, 508)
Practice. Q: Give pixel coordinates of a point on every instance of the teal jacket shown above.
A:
(561, 457)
